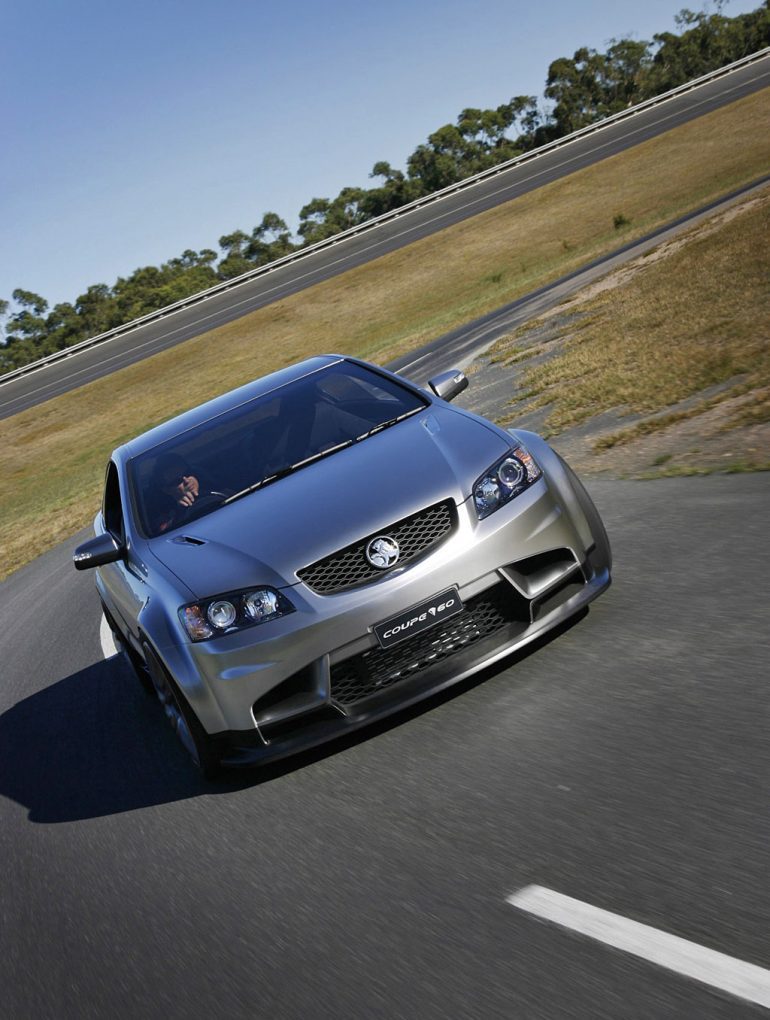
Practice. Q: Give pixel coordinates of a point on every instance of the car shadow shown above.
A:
(95, 744)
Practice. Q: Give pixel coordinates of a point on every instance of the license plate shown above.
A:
(413, 621)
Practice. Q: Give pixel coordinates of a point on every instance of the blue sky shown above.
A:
(131, 132)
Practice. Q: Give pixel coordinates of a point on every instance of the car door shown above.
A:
(125, 589)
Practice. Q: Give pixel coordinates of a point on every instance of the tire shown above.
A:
(183, 720)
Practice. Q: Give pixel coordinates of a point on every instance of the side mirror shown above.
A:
(97, 551)
(448, 384)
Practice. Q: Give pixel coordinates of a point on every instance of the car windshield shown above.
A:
(259, 442)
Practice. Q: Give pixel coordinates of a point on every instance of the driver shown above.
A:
(176, 490)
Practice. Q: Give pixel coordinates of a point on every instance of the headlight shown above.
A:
(511, 475)
(236, 610)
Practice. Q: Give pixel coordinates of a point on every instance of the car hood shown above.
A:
(266, 537)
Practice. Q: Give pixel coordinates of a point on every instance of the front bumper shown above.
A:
(319, 672)
(327, 723)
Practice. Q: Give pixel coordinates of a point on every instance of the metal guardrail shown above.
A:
(403, 210)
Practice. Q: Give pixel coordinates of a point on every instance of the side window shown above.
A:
(112, 510)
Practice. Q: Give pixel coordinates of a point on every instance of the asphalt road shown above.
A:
(625, 763)
(99, 361)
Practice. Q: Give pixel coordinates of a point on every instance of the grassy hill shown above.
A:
(52, 457)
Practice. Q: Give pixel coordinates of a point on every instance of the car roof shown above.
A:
(227, 401)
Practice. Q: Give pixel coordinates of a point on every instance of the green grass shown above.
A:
(52, 457)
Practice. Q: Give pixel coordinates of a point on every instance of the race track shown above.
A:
(624, 763)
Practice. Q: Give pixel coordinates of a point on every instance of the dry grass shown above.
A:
(756, 411)
(52, 457)
(678, 339)
(697, 319)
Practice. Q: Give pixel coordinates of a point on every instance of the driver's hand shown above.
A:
(187, 490)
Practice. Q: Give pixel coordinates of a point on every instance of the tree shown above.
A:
(97, 310)
(705, 42)
(232, 266)
(234, 262)
(64, 327)
(190, 259)
(28, 322)
(594, 85)
(270, 240)
(312, 219)
(396, 191)
(233, 243)
(432, 168)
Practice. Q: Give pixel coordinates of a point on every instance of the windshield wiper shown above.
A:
(291, 468)
(288, 470)
(388, 423)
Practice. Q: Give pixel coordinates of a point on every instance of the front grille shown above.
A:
(348, 568)
(373, 671)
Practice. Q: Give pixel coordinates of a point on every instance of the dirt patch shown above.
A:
(703, 443)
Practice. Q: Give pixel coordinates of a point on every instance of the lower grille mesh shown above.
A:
(373, 671)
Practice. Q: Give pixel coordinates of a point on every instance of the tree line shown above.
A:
(579, 91)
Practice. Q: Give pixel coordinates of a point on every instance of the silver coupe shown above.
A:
(327, 545)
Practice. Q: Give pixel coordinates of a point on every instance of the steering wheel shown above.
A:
(208, 501)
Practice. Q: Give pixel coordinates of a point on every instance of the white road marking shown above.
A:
(107, 641)
(744, 980)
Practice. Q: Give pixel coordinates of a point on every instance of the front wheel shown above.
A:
(183, 720)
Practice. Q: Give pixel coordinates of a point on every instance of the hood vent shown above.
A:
(188, 540)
